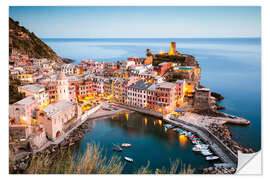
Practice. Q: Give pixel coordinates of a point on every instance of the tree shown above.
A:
(148, 52)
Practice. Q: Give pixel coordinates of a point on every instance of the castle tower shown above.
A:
(173, 48)
(62, 87)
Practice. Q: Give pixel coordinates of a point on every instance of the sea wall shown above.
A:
(225, 154)
(144, 111)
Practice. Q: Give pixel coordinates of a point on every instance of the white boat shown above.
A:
(197, 149)
(126, 145)
(128, 159)
(168, 126)
(202, 145)
(206, 153)
(210, 158)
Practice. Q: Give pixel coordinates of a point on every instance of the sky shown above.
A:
(139, 22)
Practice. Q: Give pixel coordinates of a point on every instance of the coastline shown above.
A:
(228, 158)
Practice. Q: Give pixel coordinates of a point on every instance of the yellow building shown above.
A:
(26, 77)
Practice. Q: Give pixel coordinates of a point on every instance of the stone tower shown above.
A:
(62, 87)
(173, 48)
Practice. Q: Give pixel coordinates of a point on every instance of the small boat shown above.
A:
(211, 158)
(117, 148)
(168, 126)
(195, 149)
(128, 159)
(189, 134)
(206, 153)
(194, 139)
(202, 145)
(125, 145)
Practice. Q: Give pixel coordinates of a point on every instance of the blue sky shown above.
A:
(139, 22)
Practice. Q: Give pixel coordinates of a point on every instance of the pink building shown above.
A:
(23, 111)
(137, 94)
(54, 116)
(161, 97)
(162, 68)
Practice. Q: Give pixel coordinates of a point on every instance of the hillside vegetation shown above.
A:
(25, 42)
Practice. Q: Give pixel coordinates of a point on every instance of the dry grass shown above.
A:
(91, 162)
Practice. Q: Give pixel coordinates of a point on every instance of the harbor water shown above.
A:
(149, 139)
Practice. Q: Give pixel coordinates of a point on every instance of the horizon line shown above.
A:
(148, 37)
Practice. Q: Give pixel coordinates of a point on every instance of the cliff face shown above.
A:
(25, 42)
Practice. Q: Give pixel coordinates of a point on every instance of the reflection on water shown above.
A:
(150, 141)
(145, 121)
(183, 140)
(127, 116)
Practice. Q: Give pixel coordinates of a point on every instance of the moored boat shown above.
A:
(117, 148)
(128, 159)
(202, 145)
(126, 145)
(211, 158)
(206, 153)
(168, 126)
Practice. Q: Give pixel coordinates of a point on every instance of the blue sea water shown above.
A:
(230, 66)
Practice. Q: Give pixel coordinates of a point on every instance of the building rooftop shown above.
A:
(180, 81)
(141, 85)
(54, 109)
(26, 101)
(166, 85)
(35, 88)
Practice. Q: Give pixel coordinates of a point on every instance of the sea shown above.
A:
(229, 66)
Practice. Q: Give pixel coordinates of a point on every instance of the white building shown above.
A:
(68, 69)
(126, 64)
(36, 90)
(54, 116)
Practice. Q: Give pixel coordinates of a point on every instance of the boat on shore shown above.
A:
(128, 159)
(125, 145)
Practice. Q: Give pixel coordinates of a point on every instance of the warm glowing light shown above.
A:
(44, 105)
(161, 52)
(145, 121)
(159, 109)
(183, 140)
(23, 120)
(160, 122)
(126, 116)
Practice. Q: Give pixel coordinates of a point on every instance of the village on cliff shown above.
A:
(56, 98)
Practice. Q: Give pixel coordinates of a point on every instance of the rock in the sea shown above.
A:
(218, 96)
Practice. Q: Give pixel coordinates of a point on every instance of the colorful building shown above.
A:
(24, 111)
(36, 90)
(137, 94)
(162, 68)
(54, 116)
(162, 97)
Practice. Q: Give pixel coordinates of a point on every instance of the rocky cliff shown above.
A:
(24, 42)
